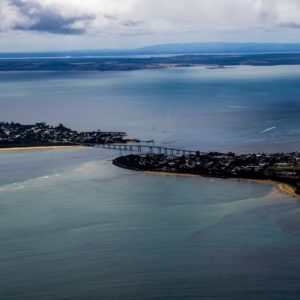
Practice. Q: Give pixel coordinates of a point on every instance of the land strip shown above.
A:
(281, 168)
(16, 135)
(139, 63)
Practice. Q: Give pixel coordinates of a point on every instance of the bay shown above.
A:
(199, 108)
(73, 226)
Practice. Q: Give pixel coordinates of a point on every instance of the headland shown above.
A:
(280, 168)
(41, 135)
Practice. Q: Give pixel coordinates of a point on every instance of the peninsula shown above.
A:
(18, 135)
(279, 167)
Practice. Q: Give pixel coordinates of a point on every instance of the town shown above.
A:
(279, 167)
(40, 134)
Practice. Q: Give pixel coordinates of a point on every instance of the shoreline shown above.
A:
(280, 186)
(40, 148)
(170, 174)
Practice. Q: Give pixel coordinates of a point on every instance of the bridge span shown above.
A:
(146, 149)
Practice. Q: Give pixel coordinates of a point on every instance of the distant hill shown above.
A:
(164, 49)
(212, 48)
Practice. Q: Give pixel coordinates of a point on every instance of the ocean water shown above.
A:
(76, 227)
(73, 226)
(239, 109)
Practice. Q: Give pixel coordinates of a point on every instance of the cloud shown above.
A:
(31, 15)
(218, 15)
(280, 13)
(110, 17)
(292, 25)
(52, 22)
(143, 17)
(132, 23)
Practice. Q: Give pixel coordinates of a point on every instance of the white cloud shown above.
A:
(281, 13)
(108, 19)
(126, 16)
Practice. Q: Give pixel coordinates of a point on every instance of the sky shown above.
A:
(46, 25)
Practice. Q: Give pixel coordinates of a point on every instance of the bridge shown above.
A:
(146, 149)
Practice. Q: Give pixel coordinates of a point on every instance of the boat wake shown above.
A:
(268, 129)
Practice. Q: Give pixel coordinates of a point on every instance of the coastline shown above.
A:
(40, 148)
(280, 186)
(287, 189)
(170, 174)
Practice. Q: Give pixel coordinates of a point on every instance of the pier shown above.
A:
(146, 149)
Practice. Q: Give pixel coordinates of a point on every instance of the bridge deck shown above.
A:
(146, 149)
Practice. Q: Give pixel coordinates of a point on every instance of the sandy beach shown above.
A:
(281, 187)
(39, 148)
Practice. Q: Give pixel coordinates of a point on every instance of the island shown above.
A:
(14, 135)
(278, 167)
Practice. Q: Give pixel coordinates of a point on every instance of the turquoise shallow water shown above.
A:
(77, 227)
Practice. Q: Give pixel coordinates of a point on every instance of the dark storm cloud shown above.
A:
(54, 23)
(48, 20)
